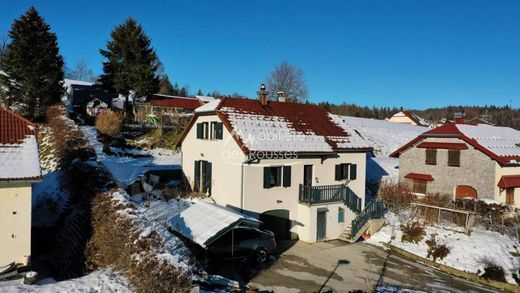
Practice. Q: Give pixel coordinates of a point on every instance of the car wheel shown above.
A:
(261, 256)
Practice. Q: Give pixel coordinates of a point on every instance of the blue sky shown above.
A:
(414, 54)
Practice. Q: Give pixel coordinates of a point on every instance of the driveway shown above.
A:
(340, 267)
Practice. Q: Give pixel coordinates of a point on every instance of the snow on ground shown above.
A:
(127, 169)
(467, 252)
(104, 280)
(384, 136)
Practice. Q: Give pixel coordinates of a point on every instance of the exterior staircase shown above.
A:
(369, 218)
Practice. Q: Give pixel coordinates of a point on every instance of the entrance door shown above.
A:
(510, 196)
(321, 225)
(307, 175)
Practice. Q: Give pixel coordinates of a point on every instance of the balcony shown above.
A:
(312, 195)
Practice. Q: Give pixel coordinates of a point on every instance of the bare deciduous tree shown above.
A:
(289, 79)
(81, 72)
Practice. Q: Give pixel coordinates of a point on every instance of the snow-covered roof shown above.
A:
(282, 127)
(500, 143)
(205, 99)
(208, 107)
(204, 221)
(68, 82)
(19, 157)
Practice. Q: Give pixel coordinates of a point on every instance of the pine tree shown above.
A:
(131, 63)
(200, 93)
(33, 66)
(166, 87)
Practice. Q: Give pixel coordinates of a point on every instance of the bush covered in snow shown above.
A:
(437, 199)
(109, 122)
(435, 249)
(413, 232)
(118, 241)
(493, 271)
(397, 196)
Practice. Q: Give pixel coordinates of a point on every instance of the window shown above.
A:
(454, 158)
(510, 196)
(346, 171)
(419, 186)
(202, 177)
(212, 131)
(341, 215)
(273, 176)
(431, 156)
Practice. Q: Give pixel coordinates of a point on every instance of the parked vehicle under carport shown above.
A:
(223, 233)
(243, 243)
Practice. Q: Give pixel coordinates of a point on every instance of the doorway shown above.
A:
(307, 175)
(321, 225)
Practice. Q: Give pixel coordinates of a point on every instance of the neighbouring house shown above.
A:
(19, 168)
(476, 161)
(408, 117)
(80, 95)
(205, 99)
(296, 167)
(165, 109)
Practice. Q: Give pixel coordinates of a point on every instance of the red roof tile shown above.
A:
(443, 145)
(181, 103)
(509, 181)
(13, 127)
(304, 118)
(418, 176)
(450, 130)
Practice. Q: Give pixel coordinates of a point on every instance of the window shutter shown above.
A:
(199, 130)
(286, 176)
(337, 175)
(353, 172)
(218, 130)
(208, 177)
(267, 177)
(196, 177)
(205, 130)
(345, 168)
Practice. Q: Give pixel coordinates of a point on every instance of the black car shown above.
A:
(243, 242)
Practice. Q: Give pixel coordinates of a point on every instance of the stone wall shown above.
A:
(476, 169)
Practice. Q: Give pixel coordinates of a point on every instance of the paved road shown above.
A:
(343, 267)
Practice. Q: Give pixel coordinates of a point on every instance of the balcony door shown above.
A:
(307, 175)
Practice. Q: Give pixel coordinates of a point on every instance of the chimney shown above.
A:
(459, 117)
(282, 97)
(262, 95)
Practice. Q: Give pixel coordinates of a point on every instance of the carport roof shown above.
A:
(204, 222)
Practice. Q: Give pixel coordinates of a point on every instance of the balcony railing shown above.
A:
(329, 194)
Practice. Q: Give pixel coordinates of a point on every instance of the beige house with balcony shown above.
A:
(476, 161)
(19, 168)
(296, 167)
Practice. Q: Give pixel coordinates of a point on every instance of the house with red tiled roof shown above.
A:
(296, 167)
(19, 168)
(464, 160)
(408, 117)
(181, 104)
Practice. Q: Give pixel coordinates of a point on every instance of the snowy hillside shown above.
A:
(384, 136)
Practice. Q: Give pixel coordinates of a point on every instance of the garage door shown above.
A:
(465, 191)
(278, 222)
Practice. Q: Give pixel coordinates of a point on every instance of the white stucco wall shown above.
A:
(226, 158)
(15, 223)
(229, 169)
(500, 195)
(402, 119)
